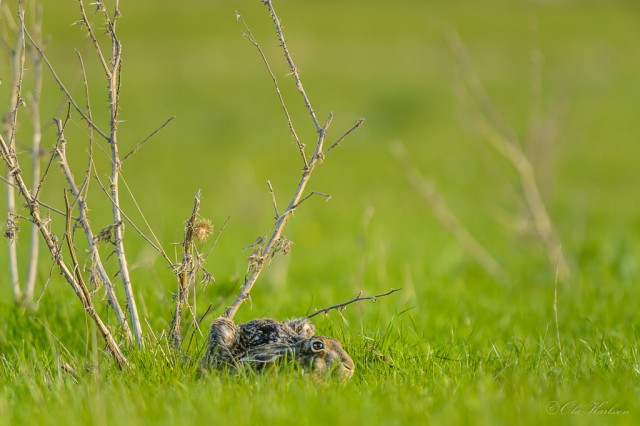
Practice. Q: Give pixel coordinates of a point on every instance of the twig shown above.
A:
(135, 227)
(112, 71)
(258, 260)
(357, 124)
(292, 66)
(311, 194)
(87, 173)
(185, 273)
(158, 244)
(91, 239)
(273, 199)
(249, 36)
(66, 91)
(358, 298)
(139, 144)
(18, 61)
(446, 218)
(504, 141)
(35, 153)
(51, 242)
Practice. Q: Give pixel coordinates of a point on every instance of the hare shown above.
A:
(263, 342)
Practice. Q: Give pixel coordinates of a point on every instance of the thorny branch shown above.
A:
(249, 36)
(96, 260)
(18, 55)
(51, 240)
(274, 242)
(112, 71)
(358, 298)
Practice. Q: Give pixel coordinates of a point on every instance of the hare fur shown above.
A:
(263, 342)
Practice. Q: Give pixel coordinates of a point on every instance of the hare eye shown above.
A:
(317, 345)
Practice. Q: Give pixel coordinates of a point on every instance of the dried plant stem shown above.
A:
(446, 218)
(18, 61)
(112, 70)
(294, 70)
(504, 141)
(66, 91)
(85, 296)
(263, 252)
(533, 198)
(358, 298)
(249, 36)
(185, 273)
(267, 250)
(50, 240)
(91, 239)
(32, 272)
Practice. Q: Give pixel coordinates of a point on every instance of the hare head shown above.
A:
(324, 356)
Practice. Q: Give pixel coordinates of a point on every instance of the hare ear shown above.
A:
(223, 332)
(302, 327)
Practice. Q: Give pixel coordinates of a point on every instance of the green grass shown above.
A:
(454, 346)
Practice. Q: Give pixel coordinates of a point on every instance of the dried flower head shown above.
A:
(202, 229)
(11, 233)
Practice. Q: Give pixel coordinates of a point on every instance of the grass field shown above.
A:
(455, 345)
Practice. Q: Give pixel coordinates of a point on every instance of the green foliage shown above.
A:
(455, 346)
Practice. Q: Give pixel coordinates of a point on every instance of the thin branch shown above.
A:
(358, 298)
(94, 40)
(15, 101)
(215, 240)
(135, 227)
(249, 36)
(357, 124)
(113, 73)
(91, 239)
(66, 91)
(504, 141)
(292, 66)
(35, 154)
(158, 245)
(85, 80)
(447, 219)
(320, 194)
(139, 144)
(50, 240)
(273, 199)
(261, 254)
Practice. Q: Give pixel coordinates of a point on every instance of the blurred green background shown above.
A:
(388, 62)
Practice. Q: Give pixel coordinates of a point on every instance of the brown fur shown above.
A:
(265, 341)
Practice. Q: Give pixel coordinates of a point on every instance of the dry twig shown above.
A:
(262, 253)
(358, 298)
(18, 54)
(86, 227)
(112, 71)
(447, 219)
(51, 242)
(504, 141)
